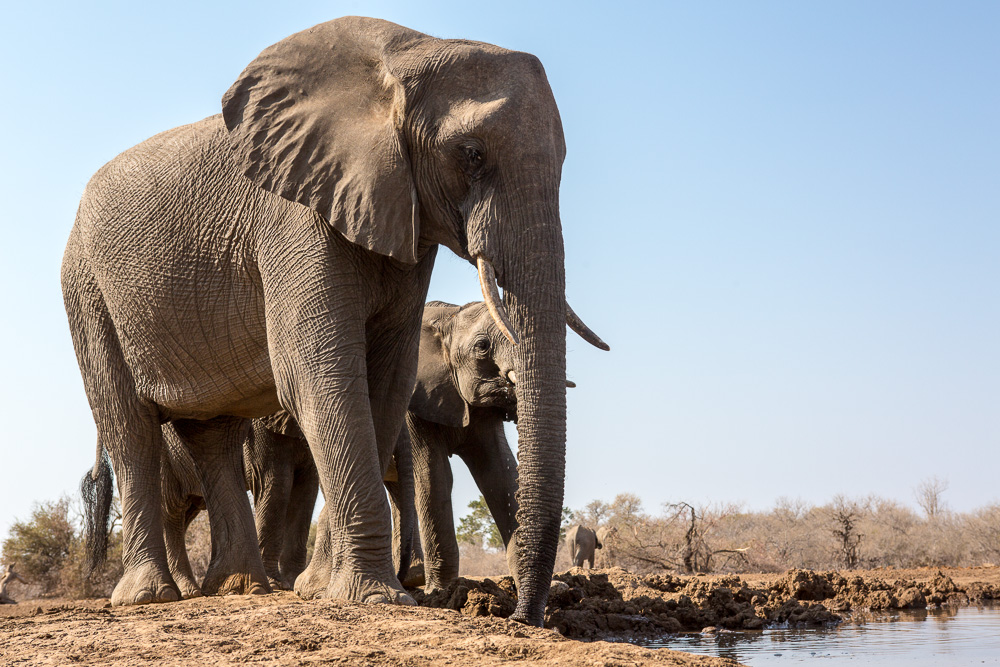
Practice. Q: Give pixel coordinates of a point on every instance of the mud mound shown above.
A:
(616, 604)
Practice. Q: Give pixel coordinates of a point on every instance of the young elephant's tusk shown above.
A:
(512, 376)
(577, 325)
(570, 384)
(491, 295)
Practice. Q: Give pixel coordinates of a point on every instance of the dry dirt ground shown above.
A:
(467, 627)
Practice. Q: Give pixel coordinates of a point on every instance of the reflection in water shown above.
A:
(951, 636)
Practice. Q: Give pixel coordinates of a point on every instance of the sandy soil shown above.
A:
(281, 629)
(468, 627)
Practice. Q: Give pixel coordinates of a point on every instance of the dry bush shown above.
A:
(983, 528)
(40, 546)
(477, 561)
(845, 533)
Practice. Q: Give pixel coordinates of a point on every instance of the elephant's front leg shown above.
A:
(328, 317)
(433, 484)
(217, 447)
(353, 557)
(485, 451)
(323, 381)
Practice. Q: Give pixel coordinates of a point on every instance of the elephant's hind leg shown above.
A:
(217, 446)
(128, 428)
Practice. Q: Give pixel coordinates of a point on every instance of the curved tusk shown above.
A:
(570, 384)
(491, 295)
(512, 376)
(577, 325)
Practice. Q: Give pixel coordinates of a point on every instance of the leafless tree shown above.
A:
(846, 515)
(929, 494)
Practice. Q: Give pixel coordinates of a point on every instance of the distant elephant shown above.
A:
(278, 256)
(581, 543)
(9, 575)
(465, 390)
(281, 476)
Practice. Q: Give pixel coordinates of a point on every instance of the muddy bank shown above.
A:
(282, 629)
(616, 604)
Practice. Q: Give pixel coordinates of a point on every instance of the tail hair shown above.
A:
(97, 491)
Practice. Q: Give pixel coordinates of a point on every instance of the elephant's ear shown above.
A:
(435, 395)
(317, 119)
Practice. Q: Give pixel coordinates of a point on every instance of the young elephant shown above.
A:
(464, 392)
(282, 477)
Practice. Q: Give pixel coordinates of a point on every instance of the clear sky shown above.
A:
(783, 216)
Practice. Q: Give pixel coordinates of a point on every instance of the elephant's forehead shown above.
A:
(465, 115)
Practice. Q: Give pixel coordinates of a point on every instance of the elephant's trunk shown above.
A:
(533, 277)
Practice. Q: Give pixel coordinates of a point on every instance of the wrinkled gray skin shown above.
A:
(281, 475)
(278, 256)
(581, 542)
(462, 396)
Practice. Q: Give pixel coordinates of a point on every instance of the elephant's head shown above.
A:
(464, 361)
(401, 141)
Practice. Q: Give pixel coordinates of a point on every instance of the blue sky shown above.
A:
(783, 216)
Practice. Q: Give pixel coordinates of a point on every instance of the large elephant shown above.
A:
(465, 390)
(278, 256)
(581, 543)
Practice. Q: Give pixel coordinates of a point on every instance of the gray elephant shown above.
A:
(278, 256)
(581, 543)
(465, 390)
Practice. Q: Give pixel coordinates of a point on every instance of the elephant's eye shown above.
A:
(482, 346)
(473, 157)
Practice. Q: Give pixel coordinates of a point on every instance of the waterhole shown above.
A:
(954, 636)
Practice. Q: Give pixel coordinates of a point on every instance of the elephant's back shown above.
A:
(153, 178)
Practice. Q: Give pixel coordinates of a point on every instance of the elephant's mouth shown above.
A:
(499, 395)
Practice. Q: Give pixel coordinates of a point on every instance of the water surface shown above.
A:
(952, 637)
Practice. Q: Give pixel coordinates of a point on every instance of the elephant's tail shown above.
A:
(97, 490)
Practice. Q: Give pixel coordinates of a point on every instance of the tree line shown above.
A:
(846, 533)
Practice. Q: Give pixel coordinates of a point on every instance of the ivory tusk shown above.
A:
(577, 325)
(491, 295)
(570, 384)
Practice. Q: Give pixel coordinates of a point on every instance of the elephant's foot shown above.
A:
(188, 588)
(145, 584)
(312, 583)
(235, 583)
(353, 583)
(278, 584)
